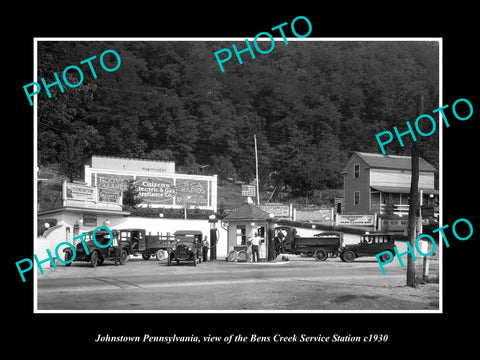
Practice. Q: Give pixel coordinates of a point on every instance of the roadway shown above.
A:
(298, 284)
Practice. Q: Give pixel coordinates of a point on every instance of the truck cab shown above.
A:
(284, 237)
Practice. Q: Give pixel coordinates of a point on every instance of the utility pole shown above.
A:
(413, 204)
(256, 168)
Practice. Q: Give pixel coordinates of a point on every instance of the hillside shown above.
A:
(229, 192)
(309, 104)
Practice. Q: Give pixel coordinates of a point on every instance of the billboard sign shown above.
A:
(154, 190)
(280, 211)
(112, 182)
(192, 192)
(314, 215)
(110, 196)
(362, 220)
(79, 192)
(91, 197)
(121, 163)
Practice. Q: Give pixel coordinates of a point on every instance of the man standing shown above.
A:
(205, 249)
(115, 248)
(255, 253)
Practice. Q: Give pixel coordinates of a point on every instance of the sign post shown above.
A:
(248, 190)
(362, 220)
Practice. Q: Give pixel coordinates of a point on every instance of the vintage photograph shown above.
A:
(172, 179)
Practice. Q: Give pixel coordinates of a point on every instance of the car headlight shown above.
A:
(174, 247)
(190, 248)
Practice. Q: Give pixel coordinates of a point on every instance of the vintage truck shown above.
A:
(187, 246)
(330, 244)
(148, 245)
(96, 255)
(320, 246)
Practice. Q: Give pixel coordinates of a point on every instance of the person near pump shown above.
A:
(255, 242)
(294, 238)
(279, 239)
(249, 249)
(114, 248)
(205, 249)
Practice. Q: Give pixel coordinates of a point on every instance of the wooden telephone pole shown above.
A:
(413, 204)
(256, 169)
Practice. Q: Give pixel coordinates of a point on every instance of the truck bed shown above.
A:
(158, 241)
(314, 242)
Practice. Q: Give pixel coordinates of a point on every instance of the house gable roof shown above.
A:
(379, 161)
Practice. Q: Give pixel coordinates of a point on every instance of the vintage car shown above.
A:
(96, 255)
(186, 247)
(370, 245)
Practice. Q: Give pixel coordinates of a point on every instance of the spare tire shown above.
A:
(242, 256)
(232, 256)
(160, 255)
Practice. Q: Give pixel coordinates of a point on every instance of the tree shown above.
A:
(413, 204)
(75, 150)
(130, 195)
(223, 167)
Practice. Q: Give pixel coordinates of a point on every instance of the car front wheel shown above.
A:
(386, 257)
(123, 257)
(348, 256)
(68, 257)
(94, 259)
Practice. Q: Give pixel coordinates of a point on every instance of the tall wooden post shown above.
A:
(256, 169)
(413, 204)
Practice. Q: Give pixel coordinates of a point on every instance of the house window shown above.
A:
(356, 198)
(356, 171)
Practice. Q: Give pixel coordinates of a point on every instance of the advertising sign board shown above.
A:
(362, 220)
(192, 192)
(112, 182)
(110, 196)
(79, 192)
(155, 190)
(280, 211)
(314, 215)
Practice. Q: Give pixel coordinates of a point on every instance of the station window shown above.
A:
(241, 235)
(356, 198)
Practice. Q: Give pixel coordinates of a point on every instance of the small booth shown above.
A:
(242, 224)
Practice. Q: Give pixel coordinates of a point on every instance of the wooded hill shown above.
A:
(310, 104)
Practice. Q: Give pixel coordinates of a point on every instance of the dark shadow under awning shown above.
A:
(402, 190)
